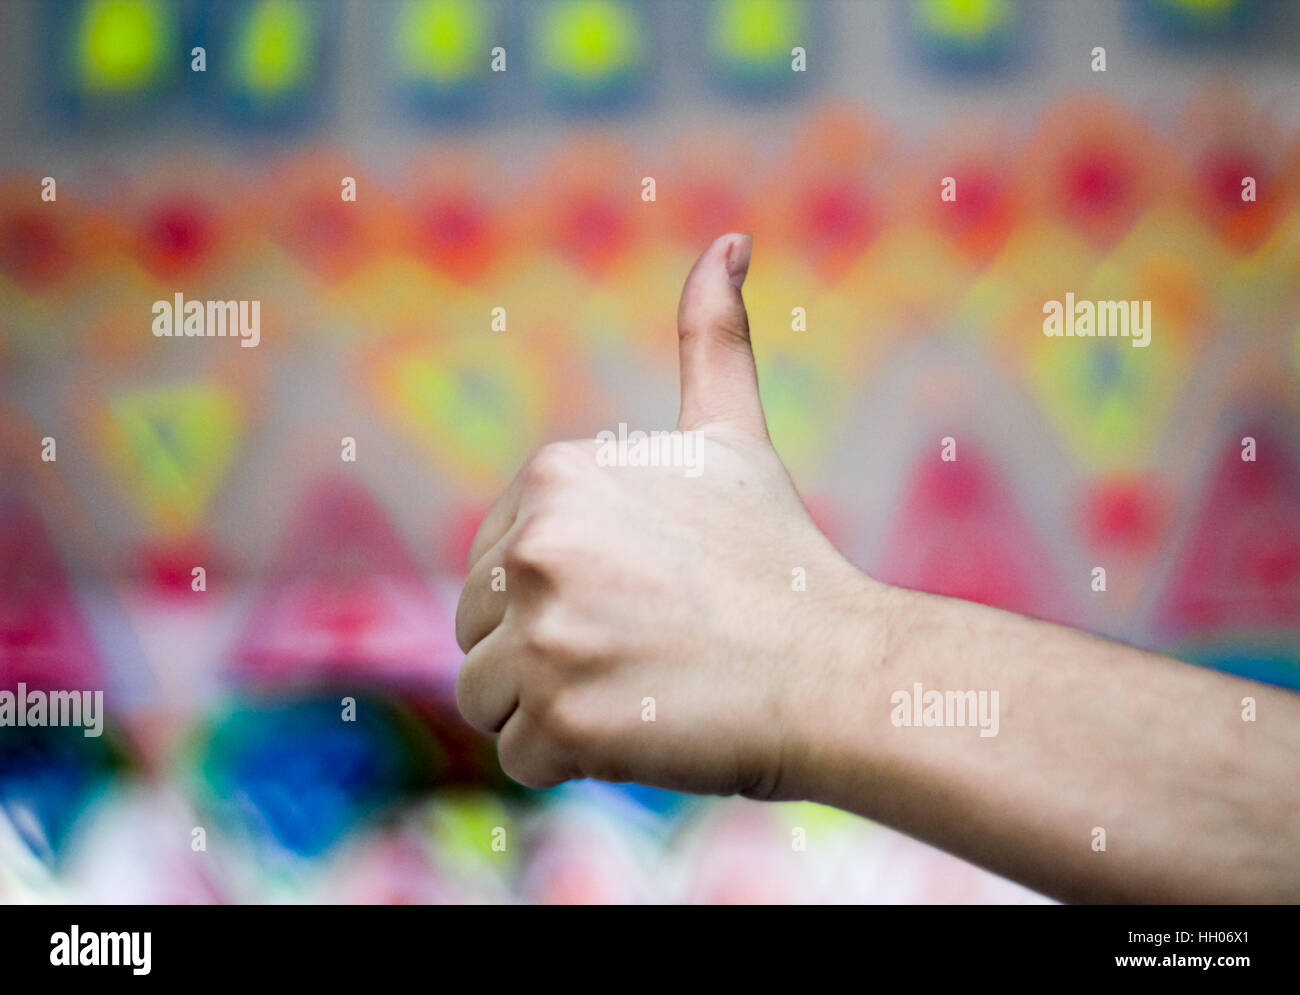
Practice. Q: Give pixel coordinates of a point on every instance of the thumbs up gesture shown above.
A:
(646, 627)
(650, 630)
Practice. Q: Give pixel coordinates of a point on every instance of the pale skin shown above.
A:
(632, 583)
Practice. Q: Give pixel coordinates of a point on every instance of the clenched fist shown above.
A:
(649, 629)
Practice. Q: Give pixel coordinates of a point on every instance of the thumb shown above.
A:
(719, 381)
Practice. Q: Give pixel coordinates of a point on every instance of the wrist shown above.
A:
(830, 693)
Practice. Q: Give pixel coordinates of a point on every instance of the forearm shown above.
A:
(1196, 804)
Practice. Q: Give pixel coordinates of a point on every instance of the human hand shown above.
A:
(650, 628)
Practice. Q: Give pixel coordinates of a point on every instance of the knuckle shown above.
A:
(733, 331)
(530, 551)
(467, 700)
(514, 760)
(729, 326)
(539, 547)
(567, 722)
(549, 637)
(522, 758)
(552, 465)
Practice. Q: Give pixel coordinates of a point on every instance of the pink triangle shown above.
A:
(960, 533)
(1240, 566)
(43, 641)
(347, 599)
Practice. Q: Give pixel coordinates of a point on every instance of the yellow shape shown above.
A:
(1041, 261)
(1171, 260)
(1203, 7)
(588, 40)
(170, 447)
(543, 294)
(1106, 396)
(909, 274)
(1180, 302)
(1045, 257)
(755, 30)
(274, 47)
(464, 828)
(994, 301)
(475, 402)
(817, 818)
(441, 40)
(963, 18)
(121, 44)
(393, 292)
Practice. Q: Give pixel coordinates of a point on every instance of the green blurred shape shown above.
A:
(965, 19)
(273, 48)
(441, 40)
(176, 445)
(754, 30)
(121, 44)
(589, 41)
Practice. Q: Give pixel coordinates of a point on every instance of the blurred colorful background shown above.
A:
(884, 319)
